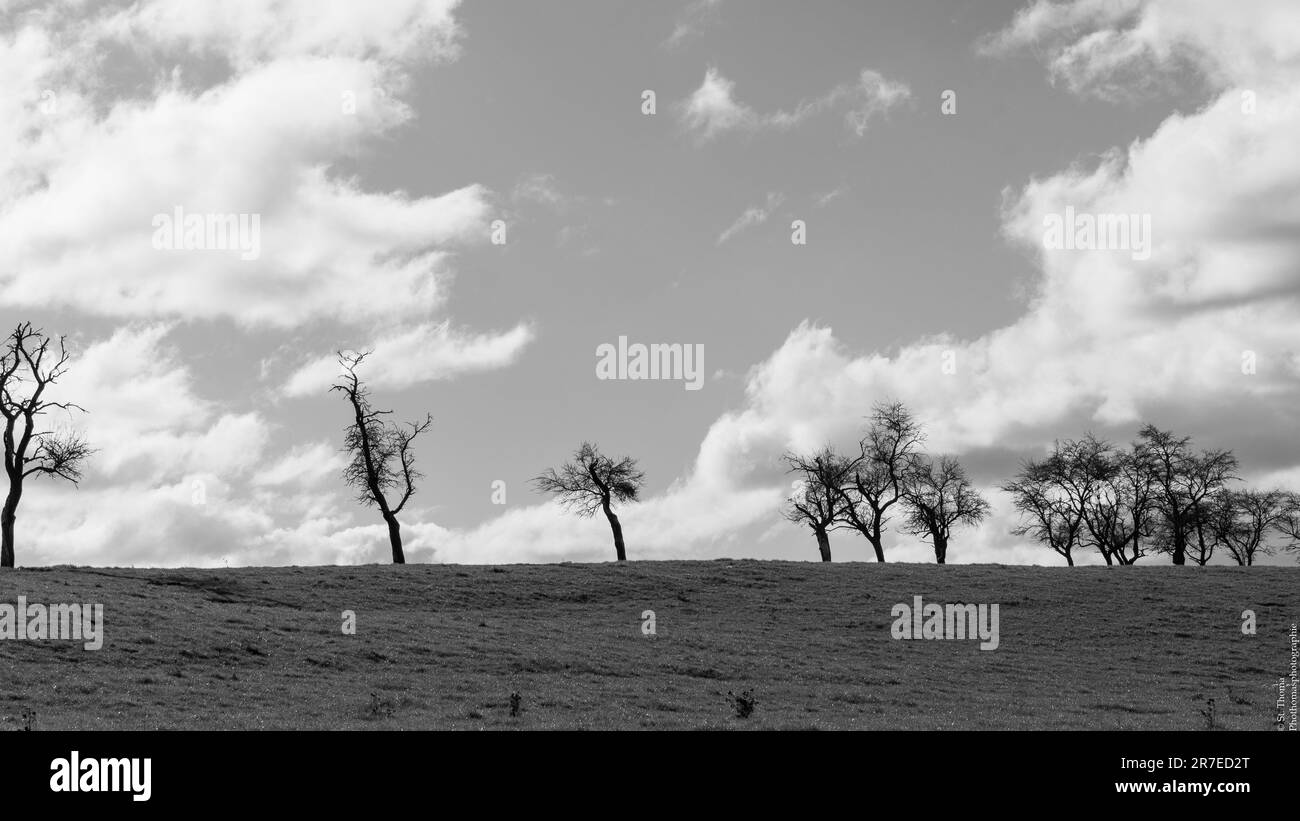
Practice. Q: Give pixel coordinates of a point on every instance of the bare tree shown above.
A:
(875, 479)
(1053, 494)
(1244, 519)
(1182, 481)
(1209, 526)
(939, 497)
(1118, 514)
(819, 501)
(381, 456)
(592, 482)
(28, 367)
(1288, 524)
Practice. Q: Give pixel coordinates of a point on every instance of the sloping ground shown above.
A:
(445, 646)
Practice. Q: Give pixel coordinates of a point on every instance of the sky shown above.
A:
(484, 193)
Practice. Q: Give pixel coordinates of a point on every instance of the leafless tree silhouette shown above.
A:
(1243, 520)
(381, 458)
(1119, 515)
(28, 366)
(1053, 494)
(819, 501)
(1288, 524)
(874, 480)
(592, 482)
(1183, 482)
(939, 497)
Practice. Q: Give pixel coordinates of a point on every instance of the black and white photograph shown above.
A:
(379, 372)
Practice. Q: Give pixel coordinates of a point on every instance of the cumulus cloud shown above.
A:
(1116, 48)
(84, 239)
(92, 179)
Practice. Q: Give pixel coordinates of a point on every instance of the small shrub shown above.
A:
(380, 707)
(744, 703)
(516, 704)
(1208, 714)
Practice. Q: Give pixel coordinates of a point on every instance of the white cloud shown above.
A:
(144, 417)
(84, 240)
(712, 109)
(539, 188)
(754, 215)
(873, 97)
(304, 465)
(692, 21)
(254, 31)
(827, 198)
(1114, 48)
(425, 352)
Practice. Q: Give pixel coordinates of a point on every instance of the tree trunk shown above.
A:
(1180, 547)
(395, 538)
(878, 545)
(7, 517)
(823, 543)
(619, 549)
(940, 549)
(1069, 560)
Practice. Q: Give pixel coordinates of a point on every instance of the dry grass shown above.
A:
(445, 646)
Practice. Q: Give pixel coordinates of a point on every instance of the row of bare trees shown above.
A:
(1158, 495)
(857, 491)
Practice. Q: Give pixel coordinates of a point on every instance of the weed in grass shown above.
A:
(744, 703)
(380, 707)
(1208, 714)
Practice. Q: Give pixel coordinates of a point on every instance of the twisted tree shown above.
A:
(595, 482)
(28, 367)
(818, 500)
(381, 456)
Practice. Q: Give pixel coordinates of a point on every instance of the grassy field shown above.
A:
(445, 646)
